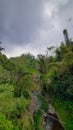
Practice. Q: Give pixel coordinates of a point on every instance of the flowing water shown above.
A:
(51, 120)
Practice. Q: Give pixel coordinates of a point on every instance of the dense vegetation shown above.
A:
(17, 83)
(57, 80)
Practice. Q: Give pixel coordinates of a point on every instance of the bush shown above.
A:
(5, 124)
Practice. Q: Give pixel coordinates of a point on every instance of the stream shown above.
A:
(50, 118)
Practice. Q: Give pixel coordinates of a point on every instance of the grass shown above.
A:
(65, 113)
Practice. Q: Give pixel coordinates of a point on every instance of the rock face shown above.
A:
(56, 123)
(51, 109)
(51, 121)
(36, 79)
(33, 104)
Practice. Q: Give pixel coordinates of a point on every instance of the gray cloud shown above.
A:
(19, 19)
(32, 25)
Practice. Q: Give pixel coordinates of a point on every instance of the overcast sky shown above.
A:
(33, 25)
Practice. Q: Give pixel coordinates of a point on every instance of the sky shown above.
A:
(30, 26)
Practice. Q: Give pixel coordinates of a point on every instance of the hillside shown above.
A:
(37, 92)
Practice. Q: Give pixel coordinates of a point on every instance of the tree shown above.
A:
(42, 65)
(23, 85)
(65, 32)
(1, 48)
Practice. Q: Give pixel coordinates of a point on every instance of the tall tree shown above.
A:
(65, 32)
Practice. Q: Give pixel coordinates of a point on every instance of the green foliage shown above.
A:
(5, 124)
(4, 75)
(65, 112)
(59, 78)
(21, 105)
(23, 86)
(42, 65)
(6, 99)
(3, 59)
(30, 124)
(11, 107)
(37, 120)
(26, 63)
(44, 106)
(58, 82)
(17, 82)
(62, 79)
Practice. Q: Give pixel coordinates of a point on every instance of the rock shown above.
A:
(51, 109)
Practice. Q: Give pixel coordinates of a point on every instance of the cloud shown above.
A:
(33, 25)
(19, 19)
